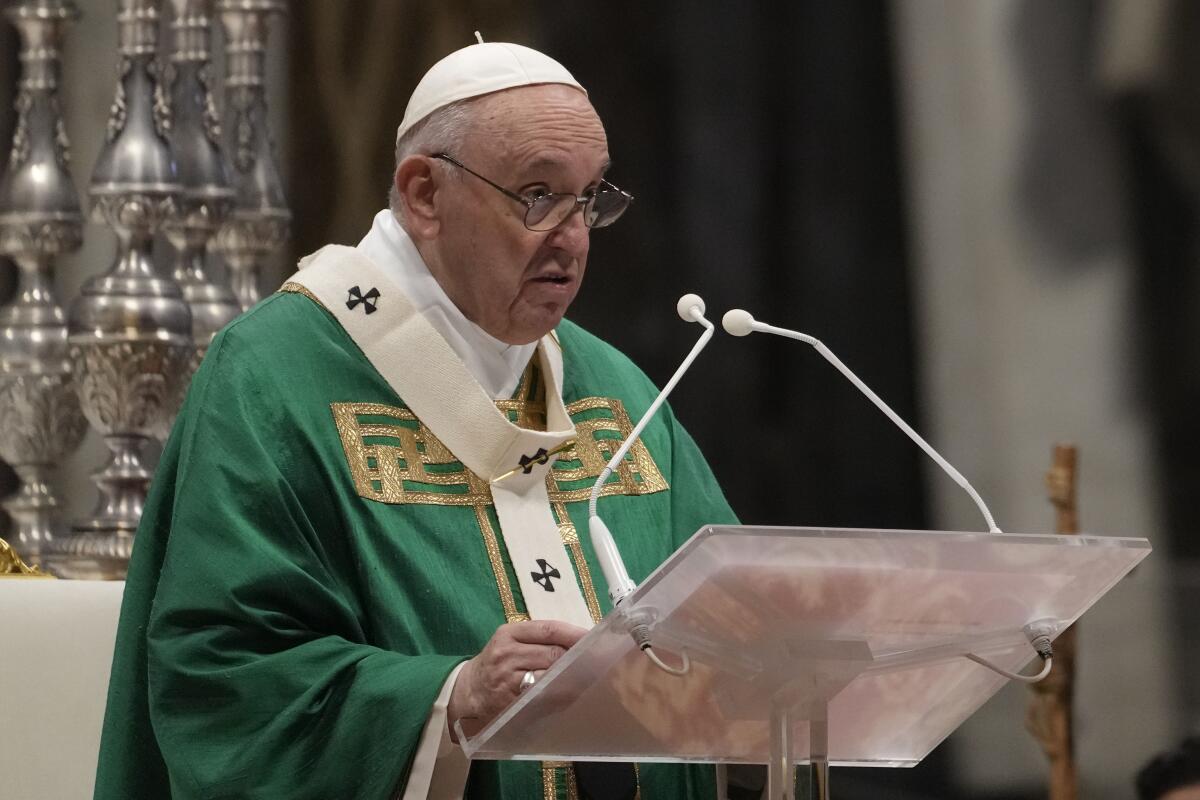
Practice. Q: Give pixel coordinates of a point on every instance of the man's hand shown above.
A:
(492, 679)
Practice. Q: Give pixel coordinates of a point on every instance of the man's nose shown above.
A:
(572, 234)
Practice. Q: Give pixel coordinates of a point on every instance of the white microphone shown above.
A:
(691, 309)
(738, 322)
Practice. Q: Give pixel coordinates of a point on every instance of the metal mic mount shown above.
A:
(620, 585)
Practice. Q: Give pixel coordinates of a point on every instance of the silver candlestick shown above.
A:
(40, 419)
(260, 221)
(130, 329)
(207, 195)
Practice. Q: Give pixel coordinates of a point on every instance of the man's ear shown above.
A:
(417, 183)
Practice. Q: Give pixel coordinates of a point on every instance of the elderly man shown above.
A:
(358, 534)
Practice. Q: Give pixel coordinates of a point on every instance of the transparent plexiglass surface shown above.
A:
(868, 625)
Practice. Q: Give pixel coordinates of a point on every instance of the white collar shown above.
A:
(495, 365)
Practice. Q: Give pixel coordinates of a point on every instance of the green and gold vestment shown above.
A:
(314, 559)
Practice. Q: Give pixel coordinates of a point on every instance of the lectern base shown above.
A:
(820, 781)
(781, 771)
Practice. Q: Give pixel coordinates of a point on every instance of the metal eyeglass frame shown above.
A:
(580, 202)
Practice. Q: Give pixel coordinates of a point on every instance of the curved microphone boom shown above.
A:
(738, 322)
(691, 309)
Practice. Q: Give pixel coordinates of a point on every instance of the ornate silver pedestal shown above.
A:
(260, 220)
(207, 196)
(40, 419)
(130, 330)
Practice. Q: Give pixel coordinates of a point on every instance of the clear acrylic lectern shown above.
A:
(807, 645)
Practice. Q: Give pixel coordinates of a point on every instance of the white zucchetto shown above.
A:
(478, 70)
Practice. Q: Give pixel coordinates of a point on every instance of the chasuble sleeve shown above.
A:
(262, 678)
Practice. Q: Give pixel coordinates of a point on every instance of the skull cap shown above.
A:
(478, 70)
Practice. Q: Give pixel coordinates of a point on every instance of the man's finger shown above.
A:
(547, 631)
(539, 656)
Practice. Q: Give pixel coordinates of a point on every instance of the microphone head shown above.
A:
(737, 322)
(690, 308)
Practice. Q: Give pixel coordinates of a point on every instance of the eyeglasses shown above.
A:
(601, 206)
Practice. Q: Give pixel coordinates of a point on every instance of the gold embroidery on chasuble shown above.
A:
(601, 425)
(552, 769)
(291, 287)
(393, 458)
(527, 407)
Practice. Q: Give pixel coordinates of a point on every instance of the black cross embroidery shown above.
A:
(368, 299)
(544, 577)
(528, 463)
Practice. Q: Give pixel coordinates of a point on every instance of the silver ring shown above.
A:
(527, 680)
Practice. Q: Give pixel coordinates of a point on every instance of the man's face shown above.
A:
(516, 283)
(1185, 793)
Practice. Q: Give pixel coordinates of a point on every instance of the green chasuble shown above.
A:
(313, 562)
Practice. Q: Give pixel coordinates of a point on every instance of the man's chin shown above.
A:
(533, 328)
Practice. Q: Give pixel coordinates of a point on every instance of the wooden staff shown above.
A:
(1050, 717)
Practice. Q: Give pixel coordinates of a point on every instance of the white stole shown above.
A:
(436, 386)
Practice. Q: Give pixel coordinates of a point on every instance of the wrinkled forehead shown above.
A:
(544, 122)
